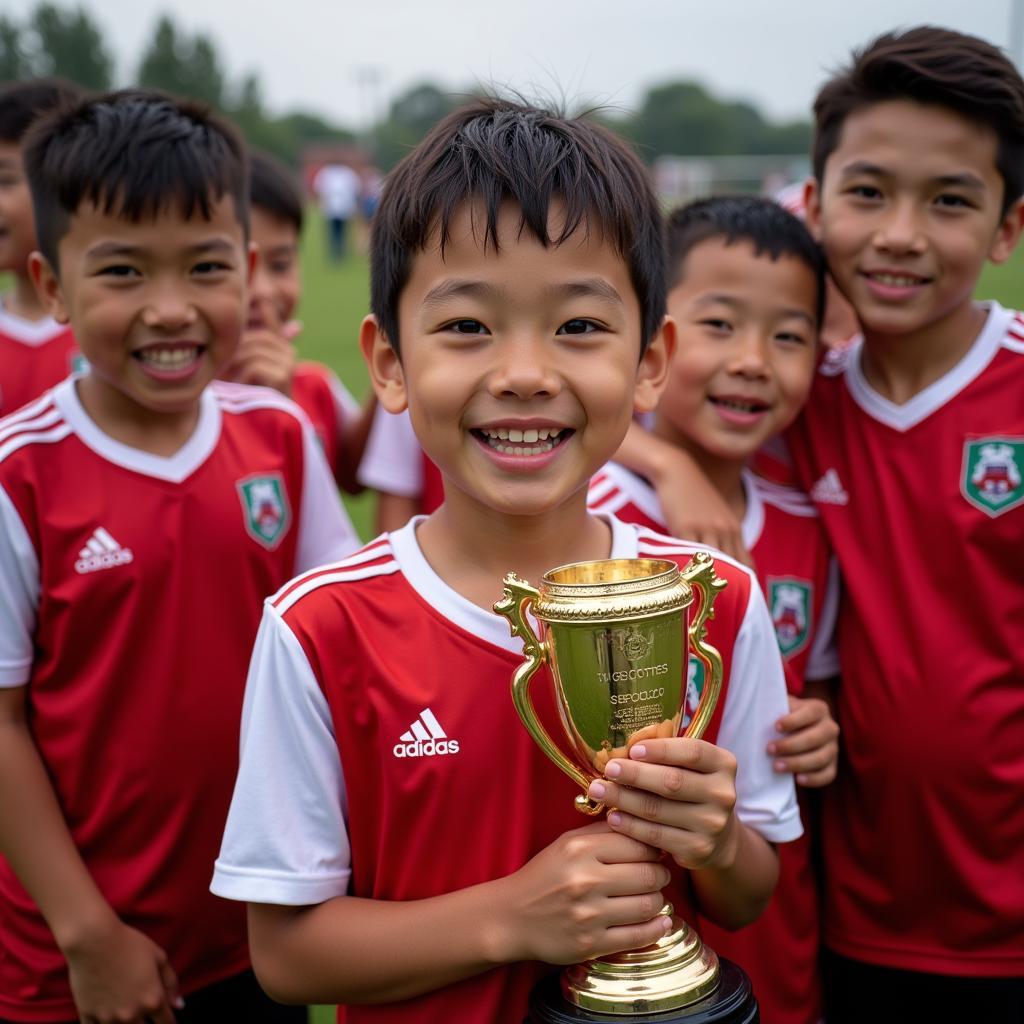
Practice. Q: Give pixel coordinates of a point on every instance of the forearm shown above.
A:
(650, 456)
(351, 950)
(394, 511)
(44, 857)
(735, 893)
(355, 434)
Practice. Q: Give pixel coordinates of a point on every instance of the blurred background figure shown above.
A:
(338, 189)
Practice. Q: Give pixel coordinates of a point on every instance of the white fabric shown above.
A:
(29, 332)
(337, 187)
(286, 839)
(326, 533)
(19, 596)
(344, 401)
(823, 659)
(393, 460)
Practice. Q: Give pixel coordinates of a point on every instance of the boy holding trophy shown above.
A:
(403, 846)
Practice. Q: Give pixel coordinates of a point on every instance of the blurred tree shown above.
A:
(182, 64)
(411, 115)
(14, 61)
(70, 44)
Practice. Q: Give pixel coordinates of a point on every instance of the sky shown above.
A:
(344, 60)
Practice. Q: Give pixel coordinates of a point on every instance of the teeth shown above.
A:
(545, 440)
(169, 358)
(523, 436)
(896, 280)
(515, 435)
(732, 403)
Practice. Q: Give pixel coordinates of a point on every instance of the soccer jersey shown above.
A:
(328, 404)
(395, 463)
(923, 504)
(34, 355)
(780, 529)
(396, 774)
(130, 595)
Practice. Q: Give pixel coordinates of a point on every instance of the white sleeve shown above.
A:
(326, 533)
(19, 596)
(344, 401)
(823, 660)
(755, 701)
(393, 461)
(286, 838)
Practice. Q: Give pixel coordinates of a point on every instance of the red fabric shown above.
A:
(432, 497)
(420, 827)
(924, 828)
(136, 691)
(27, 370)
(311, 391)
(780, 950)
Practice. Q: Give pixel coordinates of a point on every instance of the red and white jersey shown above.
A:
(395, 463)
(390, 775)
(780, 529)
(923, 504)
(34, 355)
(131, 588)
(328, 404)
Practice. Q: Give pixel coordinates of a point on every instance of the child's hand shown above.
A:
(266, 354)
(810, 748)
(590, 893)
(677, 795)
(122, 976)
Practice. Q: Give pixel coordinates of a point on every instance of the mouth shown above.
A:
(895, 278)
(517, 441)
(738, 404)
(169, 360)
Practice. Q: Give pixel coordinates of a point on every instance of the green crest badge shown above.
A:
(695, 676)
(790, 602)
(991, 478)
(265, 508)
(79, 364)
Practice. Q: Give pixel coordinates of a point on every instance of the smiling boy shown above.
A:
(517, 286)
(144, 513)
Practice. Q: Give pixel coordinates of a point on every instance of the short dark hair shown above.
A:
(22, 102)
(132, 153)
(938, 67)
(273, 188)
(770, 229)
(495, 151)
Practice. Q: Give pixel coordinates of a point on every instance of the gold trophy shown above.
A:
(614, 637)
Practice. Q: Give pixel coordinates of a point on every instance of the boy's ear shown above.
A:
(812, 207)
(652, 374)
(385, 367)
(1008, 233)
(47, 286)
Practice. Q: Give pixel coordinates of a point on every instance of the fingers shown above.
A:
(268, 313)
(610, 847)
(634, 936)
(811, 748)
(169, 980)
(621, 880)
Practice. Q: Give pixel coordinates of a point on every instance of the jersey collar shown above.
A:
(753, 516)
(453, 606)
(936, 395)
(29, 332)
(173, 468)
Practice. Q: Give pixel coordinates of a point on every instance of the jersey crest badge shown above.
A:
(991, 478)
(789, 601)
(265, 508)
(78, 363)
(694, 688)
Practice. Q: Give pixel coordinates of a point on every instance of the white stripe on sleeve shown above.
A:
(19, 596)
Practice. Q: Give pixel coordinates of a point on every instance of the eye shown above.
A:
(118, 270)
(951, 201)
(466, 326)
(210, 267)
(864, 192)
(578, 326)
(791, 338)
(716, 325)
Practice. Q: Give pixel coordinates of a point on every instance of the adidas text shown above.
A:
(426, 748)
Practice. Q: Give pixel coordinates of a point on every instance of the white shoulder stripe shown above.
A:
(48, 417)
(325, 578)
(650, 543)
(369, 553)
(1014, 343)
(57, 433)
(29, 411)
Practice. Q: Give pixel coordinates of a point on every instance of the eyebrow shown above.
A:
(964, 179)
(107, 249)
(722, 299)
(590, 287)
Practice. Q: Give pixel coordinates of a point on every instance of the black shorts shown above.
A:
(238, 998)
(862, 993)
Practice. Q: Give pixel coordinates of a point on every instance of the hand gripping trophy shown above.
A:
(612, 633)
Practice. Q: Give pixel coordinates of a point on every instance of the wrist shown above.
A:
(499, 942)
(77, 931)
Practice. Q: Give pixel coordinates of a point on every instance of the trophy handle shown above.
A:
(700, 574)
(517, 595)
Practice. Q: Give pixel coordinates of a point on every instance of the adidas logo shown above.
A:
(829, 490)
(102, 552)
(425, 738)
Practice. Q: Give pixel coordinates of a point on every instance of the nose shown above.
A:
(259, 283)
(168, 306)
(524, 369)
(900, 228)
(748, 356)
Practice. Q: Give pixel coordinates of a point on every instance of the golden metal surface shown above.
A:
(612, 634)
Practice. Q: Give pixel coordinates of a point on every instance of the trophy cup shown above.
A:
(612, 633)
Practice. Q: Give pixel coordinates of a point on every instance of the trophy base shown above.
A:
(732, 1002)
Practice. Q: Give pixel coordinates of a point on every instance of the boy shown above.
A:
(35, 351)
(144, 511)
(517, 280)
(912, 447)
(745, 289)
(266, 354)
